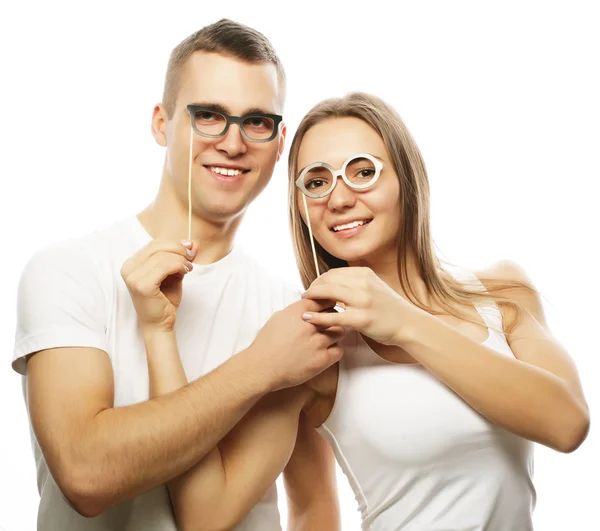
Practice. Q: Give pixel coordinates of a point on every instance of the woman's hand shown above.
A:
(371, 306)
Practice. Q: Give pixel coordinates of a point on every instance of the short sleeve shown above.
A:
(60, 303)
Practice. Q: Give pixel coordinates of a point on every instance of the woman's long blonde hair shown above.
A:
(414, 235)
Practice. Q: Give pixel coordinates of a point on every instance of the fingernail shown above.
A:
(191, 253)
(190, 266)
(186, 243)
(307, 316)
(302, 296)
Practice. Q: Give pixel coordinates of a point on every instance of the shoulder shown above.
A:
(90, 249)
(76, 251)
(66, 255)
(509, 280)
(505, 270)
(84, 262)
(508, 276)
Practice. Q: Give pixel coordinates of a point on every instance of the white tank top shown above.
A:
(417, 457)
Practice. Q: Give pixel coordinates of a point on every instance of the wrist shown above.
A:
(237, 377)
(263, 378)
(411, 331)
(158, 340)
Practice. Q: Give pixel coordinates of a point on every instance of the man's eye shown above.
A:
(206, 116)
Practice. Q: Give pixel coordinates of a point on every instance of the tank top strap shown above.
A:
(489, 312)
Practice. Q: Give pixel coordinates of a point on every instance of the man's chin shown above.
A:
(221, 213)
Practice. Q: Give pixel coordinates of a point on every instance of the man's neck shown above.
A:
(213, 240)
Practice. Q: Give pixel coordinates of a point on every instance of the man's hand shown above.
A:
(293, 351)
(153, 277)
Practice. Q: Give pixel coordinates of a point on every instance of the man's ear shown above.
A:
(281, 141)
(159, 123)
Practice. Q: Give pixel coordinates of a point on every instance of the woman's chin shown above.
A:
(349, 255)
(362, 255)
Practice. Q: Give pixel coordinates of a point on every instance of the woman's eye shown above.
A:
(315, 183)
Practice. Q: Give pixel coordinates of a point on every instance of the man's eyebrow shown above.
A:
(217, 107)
(258, 110)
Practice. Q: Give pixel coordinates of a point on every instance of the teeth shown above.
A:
(349, 225)
(226, 171)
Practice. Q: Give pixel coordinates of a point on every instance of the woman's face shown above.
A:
(376, 209)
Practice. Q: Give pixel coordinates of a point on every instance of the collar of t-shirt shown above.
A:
(224, 265)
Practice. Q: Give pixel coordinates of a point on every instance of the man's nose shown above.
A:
(232, 143)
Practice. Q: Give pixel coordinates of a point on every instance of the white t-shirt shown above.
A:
(72, 294)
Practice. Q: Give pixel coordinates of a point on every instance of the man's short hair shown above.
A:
(223, 37)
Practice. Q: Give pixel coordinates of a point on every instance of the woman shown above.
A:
(447, 377)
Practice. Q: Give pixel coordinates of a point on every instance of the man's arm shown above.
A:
(222, 489)
(219, 491)
(310, 483)
(100, 455)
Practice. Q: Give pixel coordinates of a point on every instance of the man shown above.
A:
(91, 309)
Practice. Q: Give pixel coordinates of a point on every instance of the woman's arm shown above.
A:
(536, 394)
(219, 491)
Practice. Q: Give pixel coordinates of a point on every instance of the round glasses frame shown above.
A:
(339, 173)
(239, 120)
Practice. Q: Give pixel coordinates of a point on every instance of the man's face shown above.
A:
(228, 172)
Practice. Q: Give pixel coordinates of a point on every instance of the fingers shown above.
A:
(344, 276)
(334, 333)
(331, 292)
(317, 305)
(335, 353)
(326, 320)
(146, 280)
(186, 250)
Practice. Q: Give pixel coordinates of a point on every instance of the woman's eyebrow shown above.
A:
(378, 158)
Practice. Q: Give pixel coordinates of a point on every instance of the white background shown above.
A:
(502, 99)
